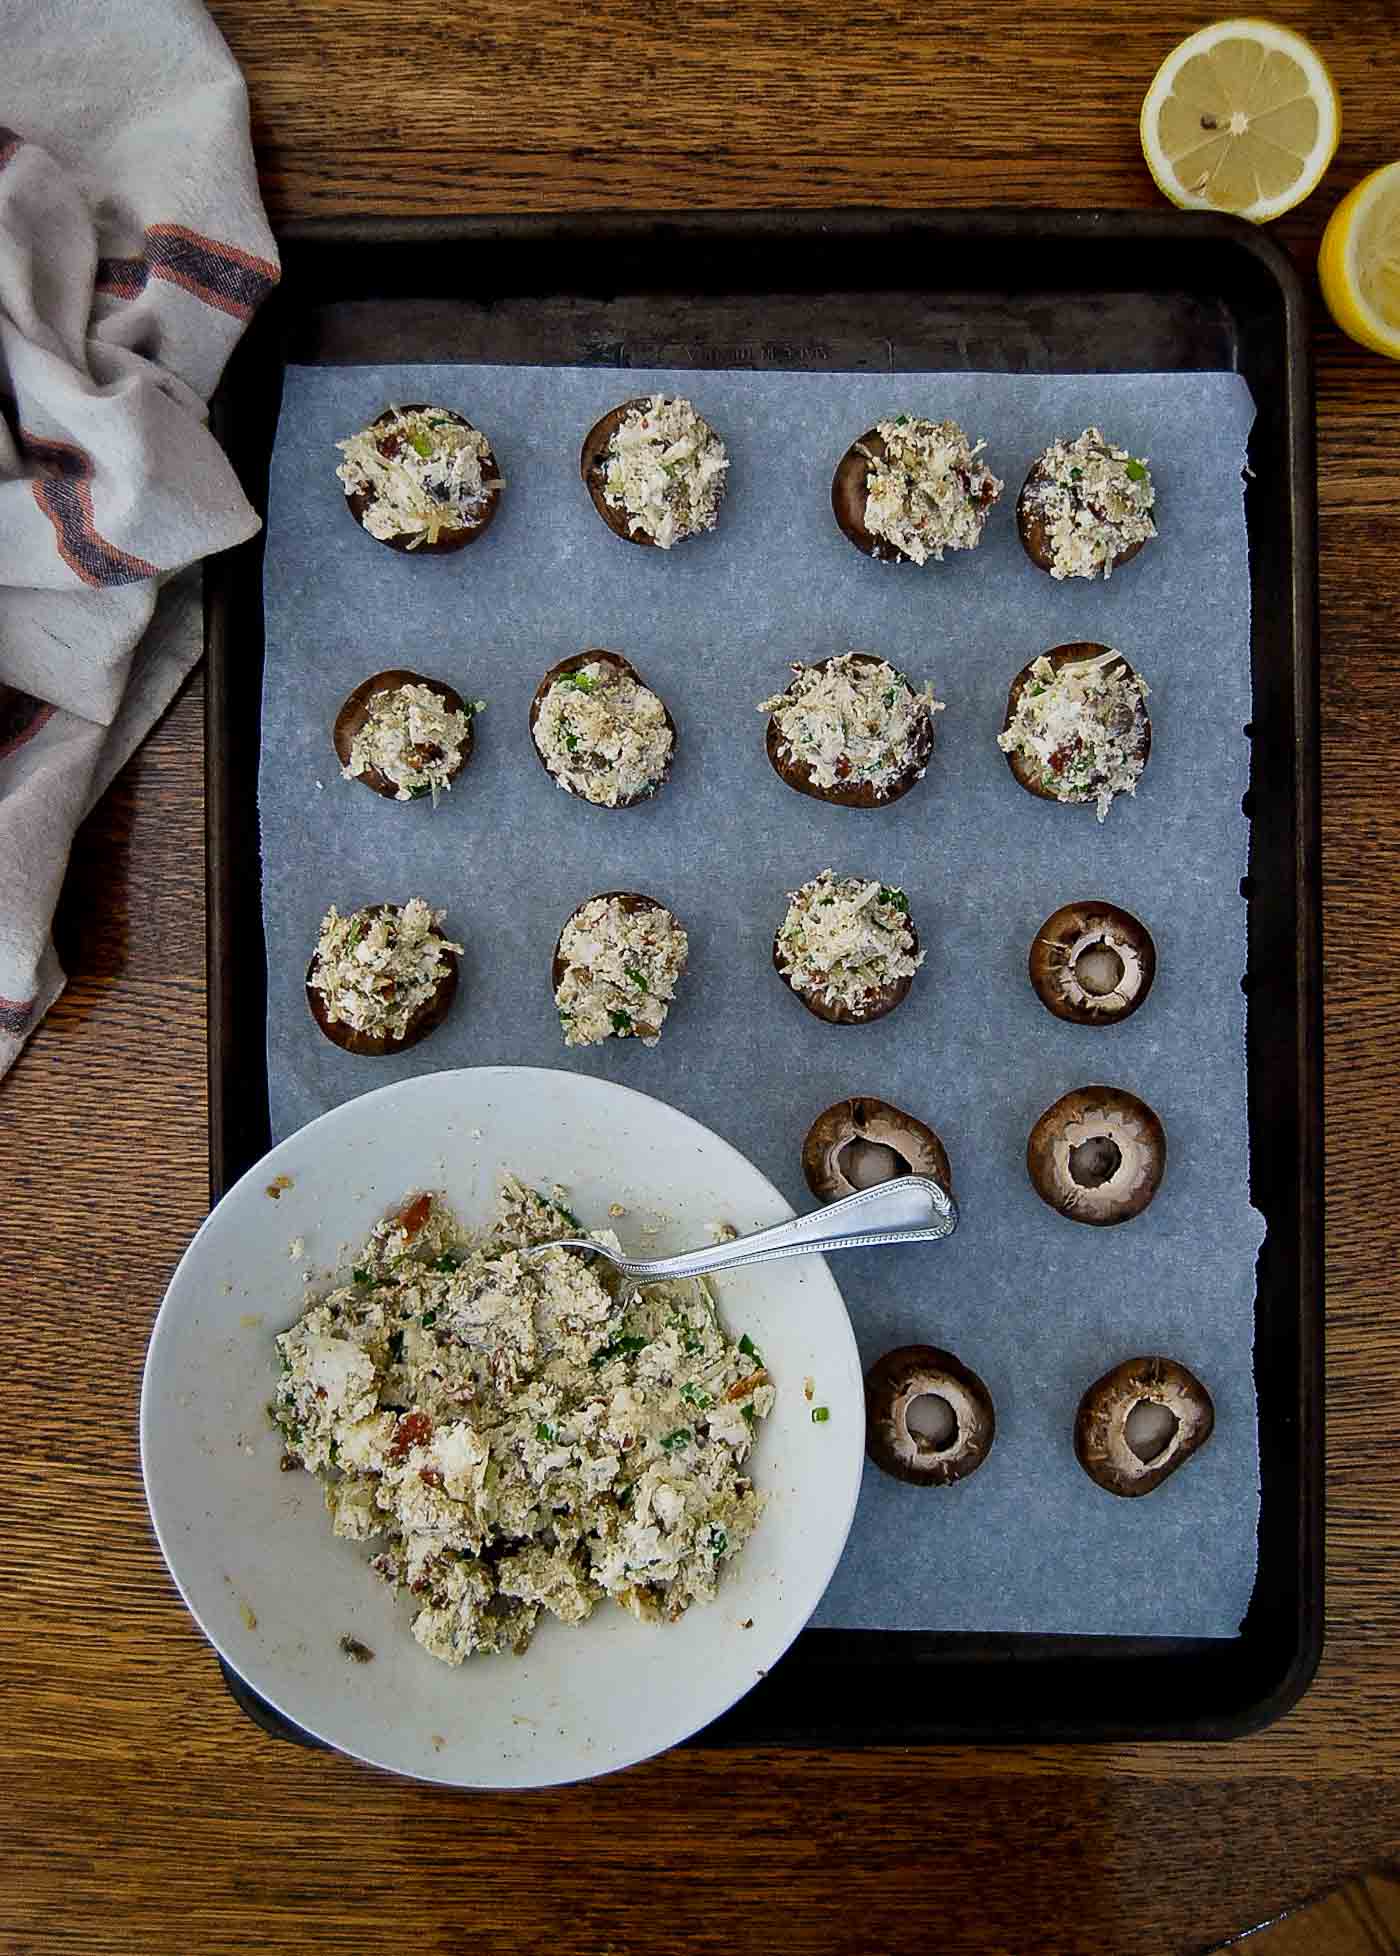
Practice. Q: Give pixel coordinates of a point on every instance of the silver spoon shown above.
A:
(910, 1209)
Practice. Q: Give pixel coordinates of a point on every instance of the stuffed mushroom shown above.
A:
(655, 471)
(1092, 963)
(851, 730)
(910, 489)
(421, 479)
(1085, 507)
(381, 978)
(600, 731)
(1077, 729)
(1097, 1155)
(1140, 1422)
(929, 1419)
(616, 967)
(848, 948)
(403, 735)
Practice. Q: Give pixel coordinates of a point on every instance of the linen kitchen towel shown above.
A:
(133, 251)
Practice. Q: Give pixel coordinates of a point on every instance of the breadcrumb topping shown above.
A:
(376, 967)
(603, 735)
(853, 722)
(1082, 728)
(413, 738)
(422, 471)
(621, 969)
(927, 492)
(1095, 501)
(666, 469)
(846, 938)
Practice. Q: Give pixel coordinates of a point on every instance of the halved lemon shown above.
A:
(1359, 264)
(1240, 117)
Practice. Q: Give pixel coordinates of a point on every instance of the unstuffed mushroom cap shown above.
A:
(1097, 1155)
(593, 467)
(1092, 963)
(879, 1003)
(359, 500)
(1030, 524)
(633, 904)
(791, 767)
(576, 663)
(1101, 1429)
(428, 1016)
(355, 712)
(1021, 764)
(892, 1385)
(885, 1137)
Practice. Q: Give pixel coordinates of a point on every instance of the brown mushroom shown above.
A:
(861, 1142)
(849, 495)
(631, 901)
(1140, 1422)
(789, 765)
(358, 500)
(1092, 963)
(1097, 1155)
(876, 1004)
(593, 467)
(1022, 765)
(929, 1419)
(576, 663)
(425, 1019)
(355, 712)
(1031, 526)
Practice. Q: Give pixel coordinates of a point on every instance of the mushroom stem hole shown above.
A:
(1150, 1428)
(932, 1421)
(1099, 970)
(867, 1163)
(1095, 1161)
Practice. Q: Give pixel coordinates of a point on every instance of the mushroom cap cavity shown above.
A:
(894, 1383)
(1097, 1155)
(853, 1134)
(1102, 1433)
(1077, 949)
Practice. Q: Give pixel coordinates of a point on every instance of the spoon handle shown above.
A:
(910, 1209)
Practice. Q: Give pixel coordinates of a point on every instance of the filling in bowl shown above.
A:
(513, 1436)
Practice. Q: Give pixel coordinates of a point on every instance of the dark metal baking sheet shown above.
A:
(1003, 291)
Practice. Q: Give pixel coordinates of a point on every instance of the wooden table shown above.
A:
(143, 1811)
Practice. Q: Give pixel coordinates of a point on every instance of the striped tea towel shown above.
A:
(133, 251)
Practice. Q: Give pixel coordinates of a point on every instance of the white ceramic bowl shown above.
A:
(251, 1547)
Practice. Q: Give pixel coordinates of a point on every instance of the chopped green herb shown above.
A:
(891, 696)
(820, 1415)
(417, 794)
(357, 931)
(422, 443)
(581, 680)
(636, 976)
(896, 899)
(396, 1347)
(749, 1414)
(750, 1349)
(680, 1438)
(618, 1348)
(428, 1318)
(1137, 471)
(1076, 475)
(361, 1276)
(693, 1396)
(568, 736)
(621, 1021)
(447, 1261)
(544, 1433)
(719, 1541)
(623, 1495)
(825, 903)
(900, 420)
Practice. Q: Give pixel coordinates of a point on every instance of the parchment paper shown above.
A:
(1037, 1305)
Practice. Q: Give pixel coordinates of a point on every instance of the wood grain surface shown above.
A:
(141, 1810)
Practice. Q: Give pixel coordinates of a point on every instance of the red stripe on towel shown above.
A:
(64, 494)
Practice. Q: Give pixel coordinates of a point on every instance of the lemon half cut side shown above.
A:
(1359, 264)
(1242, 117)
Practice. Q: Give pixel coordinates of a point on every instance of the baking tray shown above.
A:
(1004, 291)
